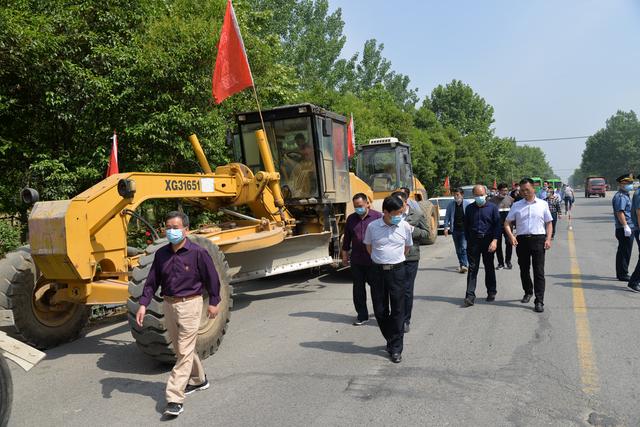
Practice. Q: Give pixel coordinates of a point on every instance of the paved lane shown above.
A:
(293, 358)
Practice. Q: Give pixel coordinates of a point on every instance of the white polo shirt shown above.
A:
(530, 217)
(388, 242)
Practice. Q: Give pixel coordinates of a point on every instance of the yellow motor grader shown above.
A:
(283, 203)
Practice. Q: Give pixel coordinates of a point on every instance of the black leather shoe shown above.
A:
(491, 297)
(539, 308)
(624, 279)
(634, 287)
(509, 266)
(396, 358)
(468, 302)
(407, 328)
(499, 267)
(526, 298)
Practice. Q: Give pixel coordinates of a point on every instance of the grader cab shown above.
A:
(282, 210)
(385, 165)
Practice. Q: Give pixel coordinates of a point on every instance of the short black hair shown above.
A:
(361, 196)
(299, 136)
(178, 214)
(400, 194)
(405, 190)
(502, 185)
(524, 181)
(392, 203)
(458, 190)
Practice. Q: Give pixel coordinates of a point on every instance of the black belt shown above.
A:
(388, 267)
(530, 236)
(481, 235)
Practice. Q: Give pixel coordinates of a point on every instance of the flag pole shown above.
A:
(255, 95)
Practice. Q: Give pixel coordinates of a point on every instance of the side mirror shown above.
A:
(327, 127)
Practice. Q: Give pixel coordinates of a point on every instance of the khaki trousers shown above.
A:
(182, 320)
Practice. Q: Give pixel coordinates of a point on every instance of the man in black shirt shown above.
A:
(482, 229)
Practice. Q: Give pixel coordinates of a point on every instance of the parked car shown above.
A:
(441, 203)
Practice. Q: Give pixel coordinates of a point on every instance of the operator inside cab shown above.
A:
(303, 181)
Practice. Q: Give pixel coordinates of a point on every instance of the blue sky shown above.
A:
(549, 68)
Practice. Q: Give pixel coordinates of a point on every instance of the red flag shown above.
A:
(113, 161)
(495, 184)
(447, 186)
(231, 73)
(351, 138)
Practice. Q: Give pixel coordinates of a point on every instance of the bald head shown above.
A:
(479, 190)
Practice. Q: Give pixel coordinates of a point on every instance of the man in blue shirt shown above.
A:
(634, 282)
(482, 230)
(622, 214)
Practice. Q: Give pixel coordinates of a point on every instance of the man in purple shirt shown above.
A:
(361, 263)
(183, 270)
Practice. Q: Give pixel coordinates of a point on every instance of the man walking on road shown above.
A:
(454, 224)
(555, 208)
(622, 214)
(420, 235)
(482, 229)
(183, 270)
(388, 240)
(569, 198)
(361, 265)
(504, 202)
(533, 229)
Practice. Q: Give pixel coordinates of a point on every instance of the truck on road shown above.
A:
(595, 186)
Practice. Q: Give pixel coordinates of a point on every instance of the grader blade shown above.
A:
(294, 253)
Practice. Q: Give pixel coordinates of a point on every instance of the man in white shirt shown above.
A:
(388, 240)
(534, 228)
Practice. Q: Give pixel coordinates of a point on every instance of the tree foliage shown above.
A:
(72, 72)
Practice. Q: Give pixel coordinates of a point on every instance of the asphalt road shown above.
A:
(292, 357)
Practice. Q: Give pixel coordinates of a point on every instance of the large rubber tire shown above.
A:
(153, 338)
(432, 215)
(33, 323)
(6, 392)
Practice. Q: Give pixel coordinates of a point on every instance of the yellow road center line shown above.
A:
(586, 357)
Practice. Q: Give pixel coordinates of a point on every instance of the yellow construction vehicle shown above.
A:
(287, 215)
(385, 165)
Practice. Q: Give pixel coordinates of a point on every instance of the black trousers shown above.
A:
(623, 254)
(635, 277)
(530, 251)
(362, 274)
(478, 246)
(411, 270)
(387, 293)
(508, 249)
(554, 221)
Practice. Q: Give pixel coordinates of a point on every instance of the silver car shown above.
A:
(441, 203)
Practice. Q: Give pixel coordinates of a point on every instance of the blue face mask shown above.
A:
(628, 187)
(480, 200)
(361, 211)
(174, 235)
(395, 220)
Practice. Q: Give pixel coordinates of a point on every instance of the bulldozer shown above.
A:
(283, 202)
(384, 164)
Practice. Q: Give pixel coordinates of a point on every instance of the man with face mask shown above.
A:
(504, 202)
(359, 258)
(388, 240)
(482, 229)
(624, 226)
(454, 225)
(183, 270)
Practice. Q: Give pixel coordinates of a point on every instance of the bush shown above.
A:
(9, 237)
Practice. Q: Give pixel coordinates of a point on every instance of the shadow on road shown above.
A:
(154, 390)
(345, 347)
(583, 277)
(458, 301)
(622, 286)
(242, 300)
(328, 317)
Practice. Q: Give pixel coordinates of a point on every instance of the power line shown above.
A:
(552, 139)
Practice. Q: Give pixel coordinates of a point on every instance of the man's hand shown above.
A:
(627, 230)
(493, 246)
(140, 315)
(446, 232)
(212, 311)
(345, 260)
(513, 240)
(547, 243)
